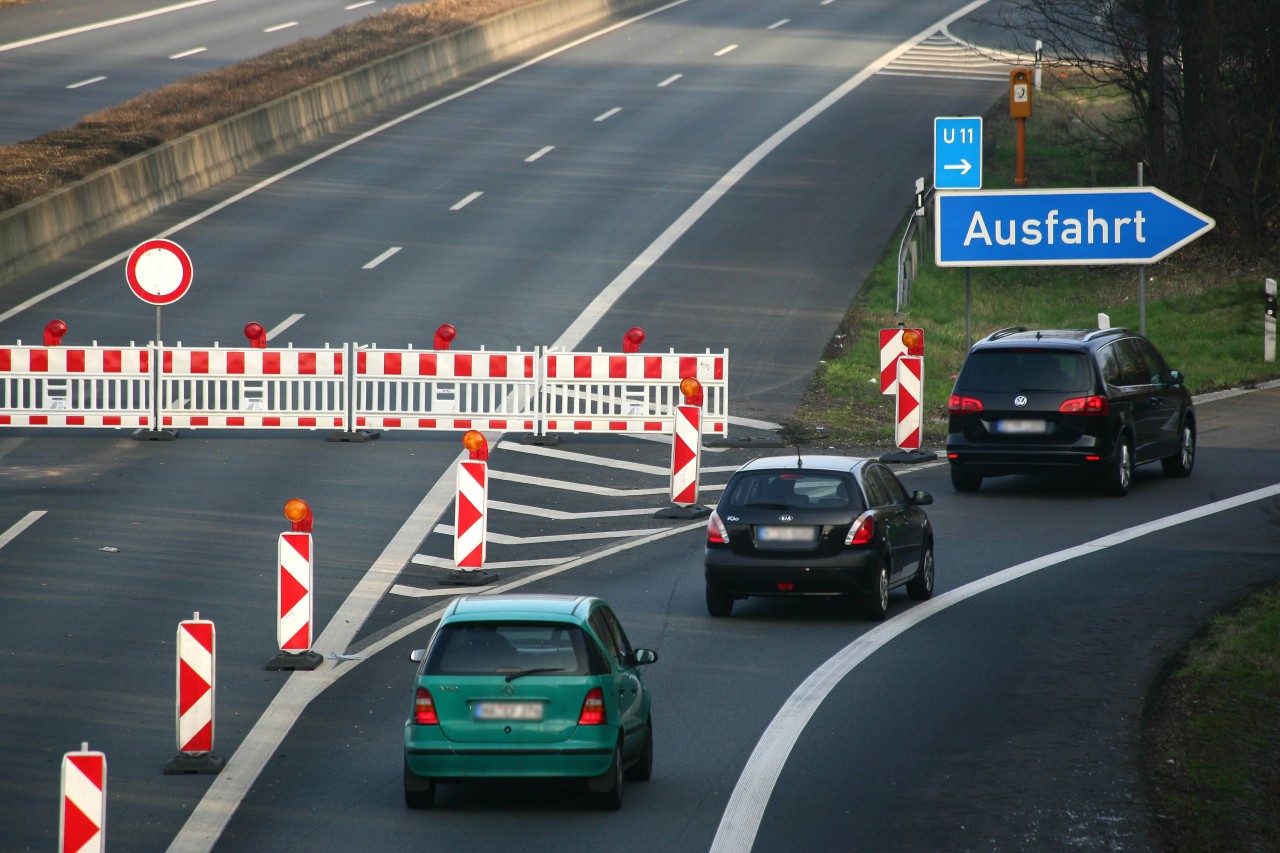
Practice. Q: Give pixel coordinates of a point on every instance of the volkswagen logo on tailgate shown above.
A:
(1020, 401)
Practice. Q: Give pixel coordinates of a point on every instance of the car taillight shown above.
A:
(958, 404)
(716, 531)
(424, 709)
(1092, 405)
(860, 532)
(592, 708)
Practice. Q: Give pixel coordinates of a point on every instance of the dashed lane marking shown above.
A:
(27, 520)
(508, 539)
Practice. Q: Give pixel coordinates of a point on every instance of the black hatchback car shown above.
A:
(1097, 401)
(818, 526)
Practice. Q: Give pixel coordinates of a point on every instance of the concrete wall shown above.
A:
(44, 229)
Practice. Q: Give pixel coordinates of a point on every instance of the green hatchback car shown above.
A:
(520, 686)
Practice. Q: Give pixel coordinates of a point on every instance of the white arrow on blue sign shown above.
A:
(957, 153)
(1118, 225)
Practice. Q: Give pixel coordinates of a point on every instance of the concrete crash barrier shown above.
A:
(47, 228)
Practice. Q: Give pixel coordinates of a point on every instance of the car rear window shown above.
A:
(487, 648)
(1015, 370)
(792, 490)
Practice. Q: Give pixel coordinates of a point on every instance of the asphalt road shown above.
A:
(87, 632)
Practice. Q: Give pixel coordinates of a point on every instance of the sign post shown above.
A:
(159, 272)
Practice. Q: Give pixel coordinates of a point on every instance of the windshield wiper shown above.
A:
(513, 676)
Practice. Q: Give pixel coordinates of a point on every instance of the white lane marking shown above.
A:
(587, 458)
(726, 49)
(278, 27)
(586, 488)
(419, 592)
(673, 78)
(350, 6)
(540, 153)
(278, 330)
(826, 2)
(26, 521)
(388, 253)
(88, 82)
(466, 201)
(271, 180)
(608, 114)
(747, 803)
(184, 54)
(508, 539)
(777, 24)
(565, 515)
(87, 28)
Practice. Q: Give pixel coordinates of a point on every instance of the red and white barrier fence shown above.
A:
(442, 390)
(197, 665)
(536, 391)
(629, 392)
(82, 816)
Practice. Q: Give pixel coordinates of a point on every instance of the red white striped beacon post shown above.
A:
(82, 816)
(470, 514)
(197, 666)
(686, 454)
(295, 577)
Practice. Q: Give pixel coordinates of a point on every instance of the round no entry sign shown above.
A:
(158, 272)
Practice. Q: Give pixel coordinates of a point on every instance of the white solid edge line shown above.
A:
(741, 819)
(284, 324)
(26, 521)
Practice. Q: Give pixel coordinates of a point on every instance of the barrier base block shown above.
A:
(155, 435)
(471, 577)
(545, 440)
(194, 762)
(677, 511)
(295, 660)
(909, 456)
(356, 435)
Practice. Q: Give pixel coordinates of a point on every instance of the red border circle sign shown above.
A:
(158, 272)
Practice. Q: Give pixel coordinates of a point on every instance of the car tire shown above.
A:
(719, 604)
(610, 800)
(1181, 463)
(920, 587)
(419, 791)
(877, 604)
(963, 481)
(1118, 476)
(642, 770)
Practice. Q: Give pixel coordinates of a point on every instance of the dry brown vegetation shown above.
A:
(32, 168)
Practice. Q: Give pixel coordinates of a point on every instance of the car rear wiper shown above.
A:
(513, 676)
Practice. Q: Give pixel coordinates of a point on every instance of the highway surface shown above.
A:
(722, 175)
(63, 59)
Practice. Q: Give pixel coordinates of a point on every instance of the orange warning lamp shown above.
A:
(474, 441)
(444, 336)
(913, 340)
(297, 511)
(53, 333)
(691, 388)
(257, 335)
(632, 340)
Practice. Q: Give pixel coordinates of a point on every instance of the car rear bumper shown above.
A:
(1085, 454)
(430, 755)
(733, 574)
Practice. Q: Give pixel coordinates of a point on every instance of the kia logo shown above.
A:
(1020, 401)
(786, 518)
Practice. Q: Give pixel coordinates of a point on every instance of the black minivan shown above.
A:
(1096, 401)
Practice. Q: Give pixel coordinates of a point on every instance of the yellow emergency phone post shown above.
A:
(1020, 111)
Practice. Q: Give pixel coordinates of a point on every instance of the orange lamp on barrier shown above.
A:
(476, 444)
(297, 511)
(691, 388)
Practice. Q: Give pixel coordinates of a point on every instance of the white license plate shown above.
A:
(781, 533)
(1022, 426)
(507, 711)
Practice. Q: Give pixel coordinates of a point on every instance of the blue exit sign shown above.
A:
(957, 153)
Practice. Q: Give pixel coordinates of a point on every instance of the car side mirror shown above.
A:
(920, 498)
(417, 655)
(1176, 377)
(643, 656)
